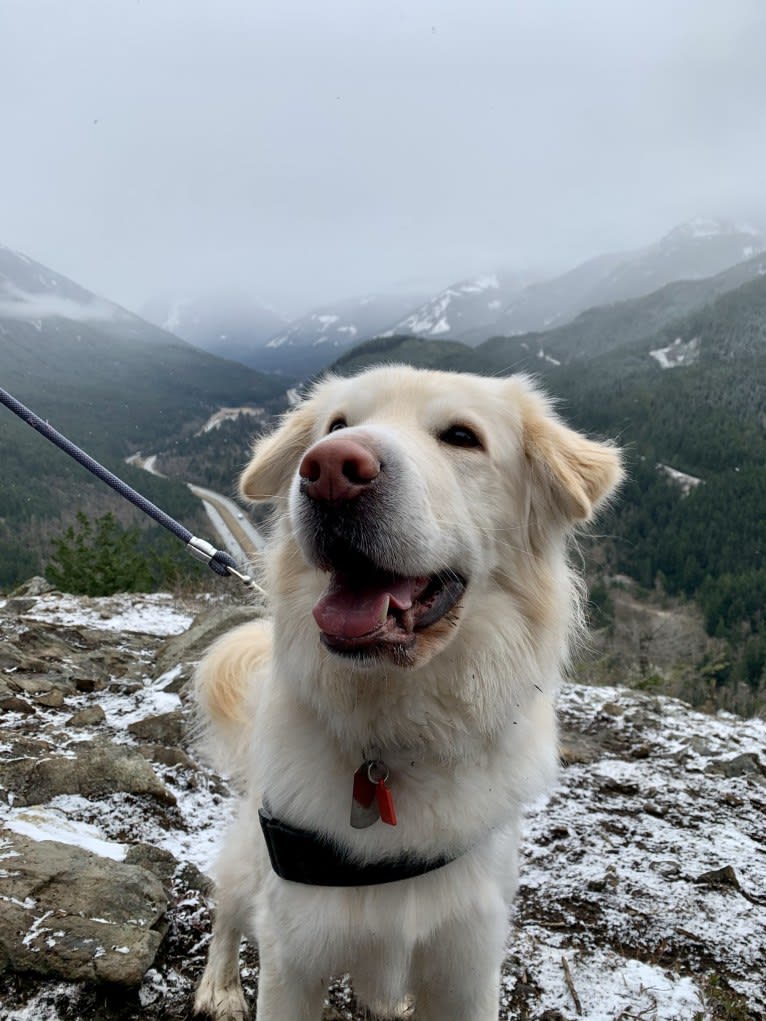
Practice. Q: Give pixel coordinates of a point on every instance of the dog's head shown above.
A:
(411, 493)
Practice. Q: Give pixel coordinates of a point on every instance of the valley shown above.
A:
(676, 374)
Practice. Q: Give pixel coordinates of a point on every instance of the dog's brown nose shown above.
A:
(337, 469)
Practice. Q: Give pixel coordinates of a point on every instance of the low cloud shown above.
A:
(17, 304)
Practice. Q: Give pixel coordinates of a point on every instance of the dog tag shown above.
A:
(385, 800)
(364, 805)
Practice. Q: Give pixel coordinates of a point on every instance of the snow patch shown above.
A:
(151, 614)
(46, 823)
(686, 482)
(548, 358)
(677, 354)
(227, 415)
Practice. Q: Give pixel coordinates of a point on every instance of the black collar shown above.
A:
(305, 857)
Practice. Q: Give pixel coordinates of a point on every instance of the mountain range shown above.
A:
(471, 310)
(492, 306)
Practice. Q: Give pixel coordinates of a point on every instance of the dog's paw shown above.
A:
(220, 1002)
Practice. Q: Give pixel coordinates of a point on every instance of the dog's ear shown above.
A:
(276, 456)
(578, 474)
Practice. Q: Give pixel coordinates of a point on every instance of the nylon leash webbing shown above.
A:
(217, 560)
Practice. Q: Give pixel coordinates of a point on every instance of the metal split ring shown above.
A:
(377, 771)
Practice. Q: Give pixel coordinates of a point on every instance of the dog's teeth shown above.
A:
(384, 610)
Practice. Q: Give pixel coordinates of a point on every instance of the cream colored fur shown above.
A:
(468, 731)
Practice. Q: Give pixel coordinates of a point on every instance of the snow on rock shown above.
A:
(643, 877)
(41, 823)
(146, 614)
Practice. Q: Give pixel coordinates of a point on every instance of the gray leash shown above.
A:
(217, 560)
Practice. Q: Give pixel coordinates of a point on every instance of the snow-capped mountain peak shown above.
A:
(469, 304)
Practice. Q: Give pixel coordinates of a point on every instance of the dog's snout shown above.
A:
(337, 468)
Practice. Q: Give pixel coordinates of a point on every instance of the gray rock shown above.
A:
(31, 685)
(87, 717)
(17, 605)
(87, 684)
(745, 764)
(125, 687)
(180, 682)
(94, 771)
(11, 657)
(574, 748)
(206, 627)
(167, 756)
(167, 728)
(21, 746)
(156, 860)
(14, 704)
(53, 699)
(72, 915)
(36, 586)
(612, 709)
(42, 642)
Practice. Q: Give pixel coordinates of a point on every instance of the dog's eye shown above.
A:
(460, 436)
(337, 423)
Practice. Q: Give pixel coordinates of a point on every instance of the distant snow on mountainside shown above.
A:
(680, 352)
(312, 342)
(472, 311)
(345, 322)
(685, 481)
(469, 304)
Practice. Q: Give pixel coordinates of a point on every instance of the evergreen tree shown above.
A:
(98, 558)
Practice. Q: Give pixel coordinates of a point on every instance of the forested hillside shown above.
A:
(113, 385)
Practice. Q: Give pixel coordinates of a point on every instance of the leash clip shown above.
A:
(201, 549)
(246, 580)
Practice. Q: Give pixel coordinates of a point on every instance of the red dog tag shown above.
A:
(385, 800)
(364, 788)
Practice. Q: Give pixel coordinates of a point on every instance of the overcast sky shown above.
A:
(311, 149)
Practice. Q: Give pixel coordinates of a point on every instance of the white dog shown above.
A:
(389, 726)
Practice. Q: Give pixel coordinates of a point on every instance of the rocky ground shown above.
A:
(643, 875)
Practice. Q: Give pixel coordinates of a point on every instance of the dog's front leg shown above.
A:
(219, 994)
(456, 974)
(287, 995)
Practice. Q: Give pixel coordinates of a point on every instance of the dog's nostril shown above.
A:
(360, 473)
(311, 470)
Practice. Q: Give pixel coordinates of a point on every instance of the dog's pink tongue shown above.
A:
(352, 610)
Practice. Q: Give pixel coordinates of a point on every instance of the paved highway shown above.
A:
(235, 531)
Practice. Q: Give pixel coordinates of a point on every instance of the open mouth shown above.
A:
(365, 610)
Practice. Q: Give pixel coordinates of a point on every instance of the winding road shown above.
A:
(235, 531)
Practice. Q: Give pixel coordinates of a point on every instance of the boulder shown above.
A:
(36, 586)
(87, 717)
(166, 728)
(206, 627)
(93, 771)
(72, 915)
